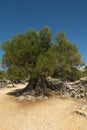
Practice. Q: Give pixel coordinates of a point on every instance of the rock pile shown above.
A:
(77, 89)
(3, 84)
(82, 111)
(31, 98)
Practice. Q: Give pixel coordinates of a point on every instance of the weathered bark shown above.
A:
(38, 86)
(30, 85)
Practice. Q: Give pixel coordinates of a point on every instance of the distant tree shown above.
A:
(32, 55)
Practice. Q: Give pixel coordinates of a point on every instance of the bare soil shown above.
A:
(56, 113)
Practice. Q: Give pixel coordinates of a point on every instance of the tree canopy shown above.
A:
(33, 55)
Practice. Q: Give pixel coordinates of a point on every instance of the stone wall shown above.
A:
(77, 89)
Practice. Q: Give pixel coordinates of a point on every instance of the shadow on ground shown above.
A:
(16, 92)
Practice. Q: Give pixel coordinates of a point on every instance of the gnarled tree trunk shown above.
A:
(38, 86)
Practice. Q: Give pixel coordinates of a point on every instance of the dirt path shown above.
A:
(51, 114)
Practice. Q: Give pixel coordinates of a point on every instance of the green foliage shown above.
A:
(47, 62)
(33, 54)
(16, 73)
(21, 53)
(68, 57)
(60, 37)
(85, 71)
(45, 38)
(71, 75)
(2, 75)
(75, 75)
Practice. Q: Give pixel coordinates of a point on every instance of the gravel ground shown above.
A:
(53, 114)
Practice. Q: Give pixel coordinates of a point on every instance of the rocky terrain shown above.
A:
(77, 89)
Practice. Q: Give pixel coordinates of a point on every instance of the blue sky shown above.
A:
(69, 16)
